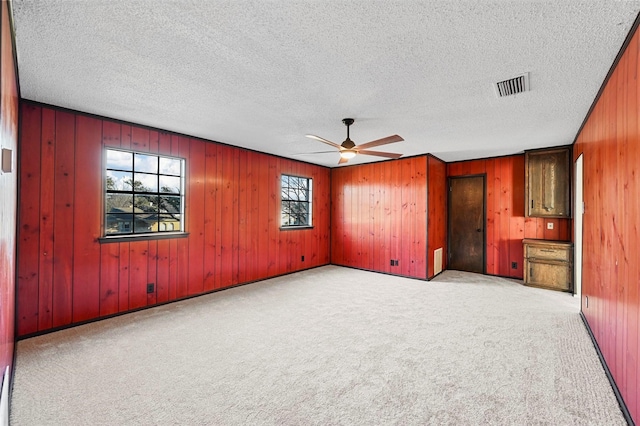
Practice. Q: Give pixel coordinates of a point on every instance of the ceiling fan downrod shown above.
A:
(348, 143)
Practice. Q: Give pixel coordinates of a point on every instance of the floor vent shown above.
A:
(513, 86)
(437, 261)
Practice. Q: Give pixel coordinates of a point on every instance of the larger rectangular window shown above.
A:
(144, 193)
(296, 201)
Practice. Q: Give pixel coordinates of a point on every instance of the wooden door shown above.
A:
(467, 224)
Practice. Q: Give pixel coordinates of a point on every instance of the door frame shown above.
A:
(484, 213)
(578, 224)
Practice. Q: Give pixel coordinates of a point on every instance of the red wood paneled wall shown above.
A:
(379, 213)
(8, 192)
(437, 212)
(66, 276)
(506, 225)
(610, 144)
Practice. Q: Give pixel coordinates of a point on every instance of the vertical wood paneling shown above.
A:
(261, 211)
(180, 147)
(109, 277)
(492, 228)
(109, 254)
(86, 226)
(138, 255)
(437, 214)
(47, 167)
(210, 191)
(196, 215)
(506, 225)
(163, 271)
(243, 215)
(609, 143)
(379, 214)
(232, 217)
(64, 215)
(123, 276)
(29, 213)
(337, 212)
(274, 215)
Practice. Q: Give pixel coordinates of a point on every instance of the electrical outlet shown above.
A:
(549, 225)
(151, 288)
(302, 258)
(514, 265)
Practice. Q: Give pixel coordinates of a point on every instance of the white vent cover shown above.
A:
(513, 85)
(437, 261)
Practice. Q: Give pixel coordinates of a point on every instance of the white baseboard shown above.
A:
(4, 398)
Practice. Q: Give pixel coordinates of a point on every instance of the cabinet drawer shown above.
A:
(557, 276)
(548, 253)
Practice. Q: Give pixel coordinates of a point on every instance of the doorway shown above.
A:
(467, 223)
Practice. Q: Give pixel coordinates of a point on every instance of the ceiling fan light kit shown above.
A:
(348, 149)
(347, 154)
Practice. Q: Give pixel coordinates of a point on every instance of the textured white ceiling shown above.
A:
(262, 74)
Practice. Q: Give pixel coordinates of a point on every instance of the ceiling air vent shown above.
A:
(513, 86)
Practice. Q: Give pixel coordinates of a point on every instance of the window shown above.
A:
(296, 201)
(144, 193)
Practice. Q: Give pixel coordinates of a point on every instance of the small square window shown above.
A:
(144, 193)
(295, 194)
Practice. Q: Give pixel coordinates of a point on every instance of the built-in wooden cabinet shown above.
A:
(547, 182)
(548, 264)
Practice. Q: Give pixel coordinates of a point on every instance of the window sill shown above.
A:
(142, 237)
(293, 228)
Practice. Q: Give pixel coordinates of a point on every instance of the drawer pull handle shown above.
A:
(547, 251)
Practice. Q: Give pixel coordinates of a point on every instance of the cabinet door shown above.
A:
(547, 181)
(550, 275)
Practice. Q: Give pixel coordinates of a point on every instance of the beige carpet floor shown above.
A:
(328, 346)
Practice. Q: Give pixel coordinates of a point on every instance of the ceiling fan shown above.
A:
(348, 149)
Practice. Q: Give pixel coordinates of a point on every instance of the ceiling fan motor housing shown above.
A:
(348, 144)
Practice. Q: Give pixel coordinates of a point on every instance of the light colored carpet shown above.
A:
(326, 346)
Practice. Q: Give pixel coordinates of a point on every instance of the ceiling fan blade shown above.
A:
(378, 142)
(318, 138)
(342, 160)
(379, 153)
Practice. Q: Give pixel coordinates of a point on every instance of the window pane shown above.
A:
(146, 203)
(144, 182)
(146, 163)
(170, 166)
(145, 223)
(170, 222)
(285, 220)
(170, 184)
(284, 181)
(293, 181)
(119, 224)
(170, 204)
(119, 181)
(119, 203)
(119, 160)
